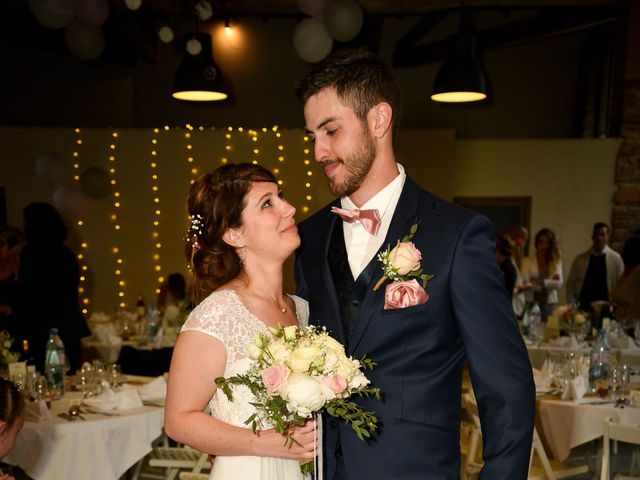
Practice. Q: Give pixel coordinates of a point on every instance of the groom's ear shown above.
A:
(379, 118)
(233, 237)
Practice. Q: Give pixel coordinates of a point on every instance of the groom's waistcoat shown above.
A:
(350, 292)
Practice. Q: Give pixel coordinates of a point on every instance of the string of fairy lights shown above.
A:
(84, 246)
(259, 152)
(115, 221)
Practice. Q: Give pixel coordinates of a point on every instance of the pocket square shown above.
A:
(404, 294)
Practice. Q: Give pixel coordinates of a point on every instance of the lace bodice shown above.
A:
(223, 315)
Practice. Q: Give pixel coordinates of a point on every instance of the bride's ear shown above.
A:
(233, 237)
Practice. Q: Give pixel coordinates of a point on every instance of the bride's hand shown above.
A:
(274, 444)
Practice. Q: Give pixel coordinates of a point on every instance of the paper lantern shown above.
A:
(311, 7)
(53, 169)
(343, 19)
(52, 13)
(311, 41)
(70, 202)
(92, 12)
(85, 42)
(95, 182)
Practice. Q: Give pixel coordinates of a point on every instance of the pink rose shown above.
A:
(405, 258)
(337, 383)
(404, 294)
(273, 377)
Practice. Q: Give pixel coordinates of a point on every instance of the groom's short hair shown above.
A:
(361, 81)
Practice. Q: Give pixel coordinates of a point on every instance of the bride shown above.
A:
(242, 230)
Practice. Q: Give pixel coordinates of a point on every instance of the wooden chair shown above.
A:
(541, 467)
(622, 433)
(471, 445)
(172, 461)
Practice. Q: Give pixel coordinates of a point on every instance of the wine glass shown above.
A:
(614, 383)
(624, 383)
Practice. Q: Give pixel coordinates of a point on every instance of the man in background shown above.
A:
(594, 273)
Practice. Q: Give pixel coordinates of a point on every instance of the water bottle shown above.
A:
(600, 368)
(54, 364)
(153, 321)
(536, 329)
(141, 309)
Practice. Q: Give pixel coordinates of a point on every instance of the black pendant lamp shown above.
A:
(198, 78)
(461, 78)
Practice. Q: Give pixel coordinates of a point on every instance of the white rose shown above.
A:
(334, 346)
(303, 394)
(359, 380)
(346, 368)
(279, 351)
(330, 362)
(290, 332)
(303, 357)
(405, 258)
(254, 348)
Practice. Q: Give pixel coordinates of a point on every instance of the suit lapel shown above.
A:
(334, 324)
(403, 217)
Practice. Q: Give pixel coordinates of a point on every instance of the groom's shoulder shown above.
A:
(443, 209)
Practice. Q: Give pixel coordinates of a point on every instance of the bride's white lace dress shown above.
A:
(223, 316)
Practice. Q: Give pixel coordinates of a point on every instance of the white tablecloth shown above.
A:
(100, 448)
(567, 424)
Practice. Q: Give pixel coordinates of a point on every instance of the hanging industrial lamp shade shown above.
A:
(460, 78)
(198, 78)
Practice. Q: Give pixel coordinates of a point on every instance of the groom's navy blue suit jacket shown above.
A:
(420, 350)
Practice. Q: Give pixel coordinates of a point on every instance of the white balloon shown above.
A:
(343, 19)
(70, 202)
(53, 169)
(310, 39)
(85, 42)
(311, 7)
(52, 13)
(92, 12)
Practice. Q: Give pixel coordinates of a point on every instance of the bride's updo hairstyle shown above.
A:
(215, 202)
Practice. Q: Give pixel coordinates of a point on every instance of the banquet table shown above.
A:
(539, 353)
(99, 448)
(567, 424)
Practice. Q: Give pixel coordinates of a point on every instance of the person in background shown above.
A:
(49, 278)
(12, 413)
(11, 240)
(542, 272)
(595, 273)
(504, 252)
(173, 291)
(626, 294)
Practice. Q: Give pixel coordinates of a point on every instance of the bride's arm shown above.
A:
(197, 360)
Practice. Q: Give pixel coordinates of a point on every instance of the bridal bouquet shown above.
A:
(301, 372)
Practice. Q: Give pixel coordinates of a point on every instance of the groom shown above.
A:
(352, 103)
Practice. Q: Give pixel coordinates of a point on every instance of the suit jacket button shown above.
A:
(355, 302)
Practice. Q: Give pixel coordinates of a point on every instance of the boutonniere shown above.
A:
(402, 265)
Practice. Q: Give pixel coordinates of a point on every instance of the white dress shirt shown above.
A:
(361, 245)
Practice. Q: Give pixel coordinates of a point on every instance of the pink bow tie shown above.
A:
(370, 219)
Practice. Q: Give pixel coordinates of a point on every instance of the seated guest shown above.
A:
(542, 273)
(10, 245)
(594, 273)
(626, 295)
(504, 251)
(12, 413)
(173, 291)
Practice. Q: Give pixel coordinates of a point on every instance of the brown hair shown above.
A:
(553, 257)
(361, 81)
(11, 404)
(217, 200)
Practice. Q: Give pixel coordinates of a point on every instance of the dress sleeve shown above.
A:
(211, 317)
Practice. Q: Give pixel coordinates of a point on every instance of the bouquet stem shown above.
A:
(307, 465)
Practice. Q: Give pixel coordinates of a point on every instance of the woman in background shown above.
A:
(542, 273)
(626, 294)
(12, 413)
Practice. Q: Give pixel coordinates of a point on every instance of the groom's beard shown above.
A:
(356, 163)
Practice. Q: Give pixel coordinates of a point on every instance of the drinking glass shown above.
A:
(115, 375)
(624, 383)
(41, 389)
(614, 383)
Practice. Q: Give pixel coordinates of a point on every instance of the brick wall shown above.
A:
(625, 219)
